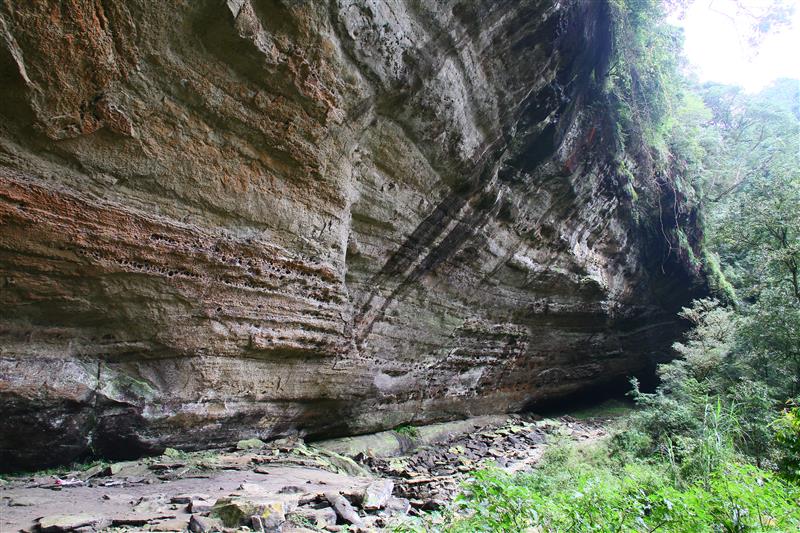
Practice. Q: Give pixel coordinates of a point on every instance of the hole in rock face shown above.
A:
(36, 436)
(121, 447)
(117, 437)
(613, 389)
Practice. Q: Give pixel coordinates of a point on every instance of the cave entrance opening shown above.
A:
(609, 393)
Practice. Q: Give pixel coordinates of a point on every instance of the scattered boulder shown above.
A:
(164, 466)
(235, 511)
(187, 498)
(339, 463)
(286, 444)
(344, 509)
(138, 519)
(125, 468)
(152, 503)
(377, 494)
(269, 524)
(95, 471)
(325, 516)
(250, 444)
(201, 506)
(396, 505)
(234, 461)
(195, 503)
(61, 523)
(174, 524)
(204, 524)
(432, 504)
(423, 480)
(373, 523)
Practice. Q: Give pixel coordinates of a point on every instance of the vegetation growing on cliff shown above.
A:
(658, 122)
(716, 447)
(643, 81)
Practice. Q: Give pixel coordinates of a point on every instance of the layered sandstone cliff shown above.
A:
(248, 218)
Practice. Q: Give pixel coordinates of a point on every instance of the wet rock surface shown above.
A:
(283, 487)
(222, 221)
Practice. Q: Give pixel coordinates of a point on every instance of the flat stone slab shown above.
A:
(71, 522)
(119, 501)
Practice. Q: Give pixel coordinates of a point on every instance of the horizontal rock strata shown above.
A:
(248, 218)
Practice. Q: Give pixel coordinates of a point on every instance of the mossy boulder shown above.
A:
(250, 444)
(237, 511)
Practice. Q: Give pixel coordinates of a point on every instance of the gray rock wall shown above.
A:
(221, 220)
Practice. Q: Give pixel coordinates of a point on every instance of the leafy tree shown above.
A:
(710, 341)
(788, 437)
(753, 191)
(753, 209)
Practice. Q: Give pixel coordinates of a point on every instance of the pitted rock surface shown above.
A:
(257, 218)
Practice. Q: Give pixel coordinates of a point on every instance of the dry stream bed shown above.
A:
(353, 484)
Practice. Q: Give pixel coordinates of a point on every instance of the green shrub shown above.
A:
(715, 402)
(407, 430)
(755, 411)
(571, 494)
(788, 438)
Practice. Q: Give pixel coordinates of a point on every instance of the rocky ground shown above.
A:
(283, 486)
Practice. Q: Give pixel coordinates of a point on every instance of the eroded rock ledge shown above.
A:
(222, 220)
